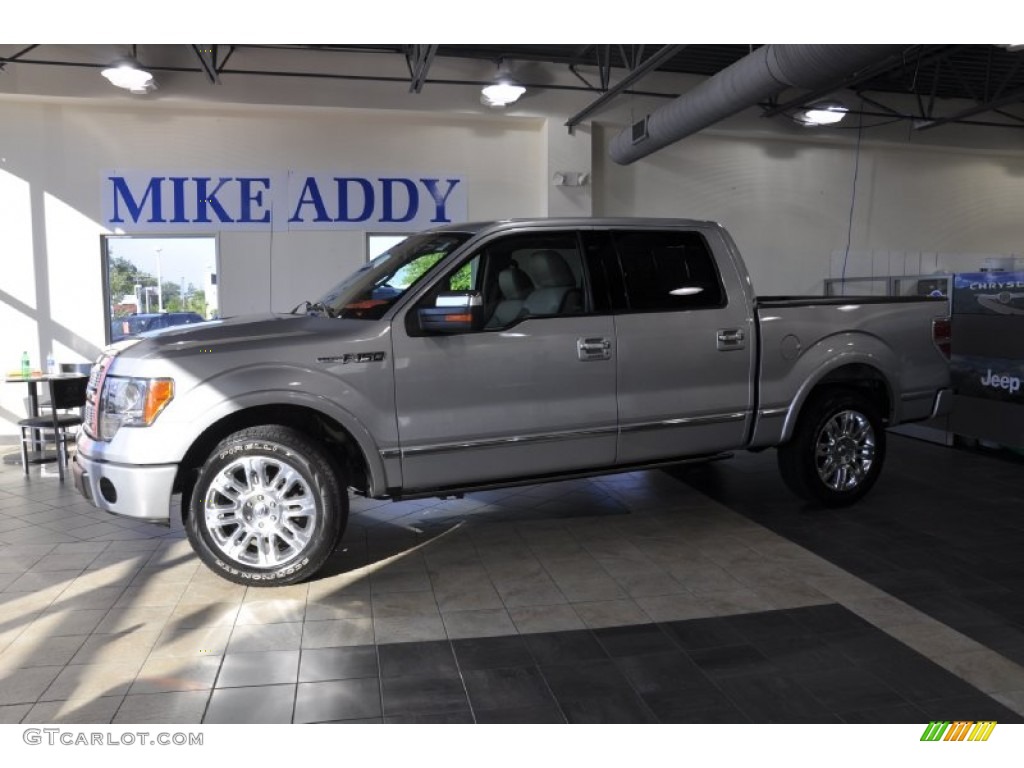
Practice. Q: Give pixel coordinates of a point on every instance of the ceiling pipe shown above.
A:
(754, 78)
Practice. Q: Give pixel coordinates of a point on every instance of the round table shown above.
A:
(38, 454)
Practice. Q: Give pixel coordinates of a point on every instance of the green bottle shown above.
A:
(26, 366)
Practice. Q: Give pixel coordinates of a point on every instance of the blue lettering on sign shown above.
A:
(249, 196)
(248, 202)
(439, 199)
(178, 196)
(311, 196)
(206, 199)
(412, 200)
(344, 212)
(123, 193)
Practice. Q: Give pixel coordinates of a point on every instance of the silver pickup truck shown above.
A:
(476, 356)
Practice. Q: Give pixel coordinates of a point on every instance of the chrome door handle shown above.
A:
(594, 348)
(731, 338)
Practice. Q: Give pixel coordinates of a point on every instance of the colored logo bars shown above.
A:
(960, 730)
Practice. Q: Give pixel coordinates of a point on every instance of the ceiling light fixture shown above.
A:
(821, 114)
(129, 74)
(503, 91)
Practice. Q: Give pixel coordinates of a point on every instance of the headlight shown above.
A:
(132, 403)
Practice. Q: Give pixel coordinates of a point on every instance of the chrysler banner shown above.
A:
(989, 293)
(178, 202)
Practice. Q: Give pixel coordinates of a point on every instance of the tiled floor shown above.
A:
(648, 597)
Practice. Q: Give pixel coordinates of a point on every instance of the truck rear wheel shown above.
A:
(268, 507)
(837, 450)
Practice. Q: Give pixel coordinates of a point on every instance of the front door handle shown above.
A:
(731, 338)
(593, 348)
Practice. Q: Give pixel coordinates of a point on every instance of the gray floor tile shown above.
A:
(320, 664)
(78, 681)
(266, 704)
(178, 707)
(36, 651)
(25, 686)
(478, 623)
(337, 700)
(86, 710)
(13, 713)
(271, 612)
(257, 669)
(266, 637)
(340, 632)
(176, 674)
(57, 622)
(407, 630)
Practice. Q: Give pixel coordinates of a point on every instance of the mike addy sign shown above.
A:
(292, 200)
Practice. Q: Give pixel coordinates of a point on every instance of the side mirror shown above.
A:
(453, 312)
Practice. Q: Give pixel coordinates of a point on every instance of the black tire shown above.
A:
(837, 450)
(268, 507)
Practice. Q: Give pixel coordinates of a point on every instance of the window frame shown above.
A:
(107, 238)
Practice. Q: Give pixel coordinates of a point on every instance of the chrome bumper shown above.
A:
(142, 492)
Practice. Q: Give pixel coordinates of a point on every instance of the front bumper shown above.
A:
(139, 491)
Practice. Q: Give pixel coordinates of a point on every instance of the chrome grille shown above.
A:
(91, 414)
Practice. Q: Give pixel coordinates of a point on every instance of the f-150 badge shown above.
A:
(353, 357)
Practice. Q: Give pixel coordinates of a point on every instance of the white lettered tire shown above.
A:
(268, 507)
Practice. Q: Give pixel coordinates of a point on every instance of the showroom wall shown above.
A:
(54, 156)
(787, 199)
(785, 194)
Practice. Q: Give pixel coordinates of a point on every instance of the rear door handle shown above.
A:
(731, 338)
(593, 348)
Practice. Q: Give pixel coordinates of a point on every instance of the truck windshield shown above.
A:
(371, 290)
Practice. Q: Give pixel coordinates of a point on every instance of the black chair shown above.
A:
(82, 368)
(66, 394)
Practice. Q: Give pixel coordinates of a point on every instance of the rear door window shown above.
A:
(668, 270)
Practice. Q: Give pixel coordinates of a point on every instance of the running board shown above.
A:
(459, 491)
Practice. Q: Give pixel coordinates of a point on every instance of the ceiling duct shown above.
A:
(754, 78)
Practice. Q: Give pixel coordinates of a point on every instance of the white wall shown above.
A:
(786, 199)
(53, 155)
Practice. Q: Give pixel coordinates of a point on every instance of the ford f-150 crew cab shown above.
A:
(485, 355)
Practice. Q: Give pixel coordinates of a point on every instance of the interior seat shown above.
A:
(556, 292)
(515, 285)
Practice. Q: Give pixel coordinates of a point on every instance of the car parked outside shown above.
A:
(133, 325)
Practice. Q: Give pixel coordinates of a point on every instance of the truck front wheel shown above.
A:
(268, 507)
(837, 449)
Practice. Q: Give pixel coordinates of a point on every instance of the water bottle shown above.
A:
(26, 365)
(51, 365)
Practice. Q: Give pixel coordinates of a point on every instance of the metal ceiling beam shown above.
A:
(224, 62)
(848, 82)
(419, 58)
(207, 55)
(15, 57)
(656, 60)
(1011, 97)
(1009, 77)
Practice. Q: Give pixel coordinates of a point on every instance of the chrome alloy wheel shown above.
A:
(845, 450)
(260, 511)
